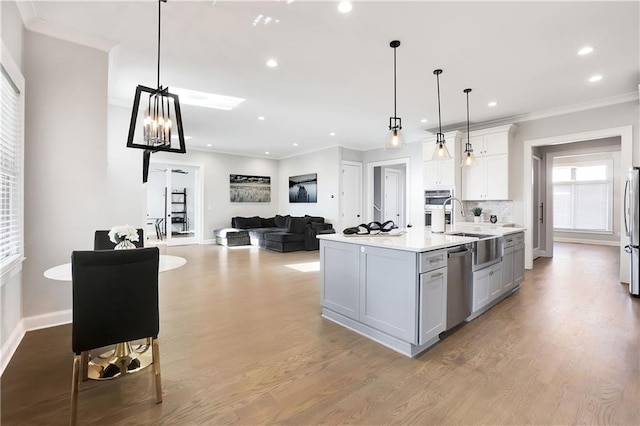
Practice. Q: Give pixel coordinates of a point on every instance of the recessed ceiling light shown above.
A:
(424, 120)
(207, 100)
(295, 144)
(585, 50)
(186, 138)
(272, 63)
(209, 145)
(332, 134)
(261, 118)
(492, 103)
(345, 6)
(595, 78)
(266, 152)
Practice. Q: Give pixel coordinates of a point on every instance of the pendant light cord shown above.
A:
(395, 113)
(468, 131)
(159, 12)
(439, 117)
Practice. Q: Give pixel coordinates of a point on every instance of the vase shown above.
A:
(124, 245)
(476, 219)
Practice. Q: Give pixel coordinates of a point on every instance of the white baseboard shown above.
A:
(10, 346)
(35, 322)
(581, 241)
(47, 320)
(210, 241)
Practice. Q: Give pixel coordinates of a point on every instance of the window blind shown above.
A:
(10, 164)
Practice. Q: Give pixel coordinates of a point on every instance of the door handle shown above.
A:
(541, 212)
(626, 208)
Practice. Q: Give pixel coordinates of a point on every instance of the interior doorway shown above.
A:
(388, 183)
(174, 204)
(537, 183)
(626, 152)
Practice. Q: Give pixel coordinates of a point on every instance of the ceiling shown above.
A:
(335, 72)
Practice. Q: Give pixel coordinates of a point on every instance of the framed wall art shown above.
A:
(303, 188)
(249, 189)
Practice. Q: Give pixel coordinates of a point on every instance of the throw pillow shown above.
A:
(314, 219)
(297, 225)
(281, 221)
(269, 222)
(248, 222)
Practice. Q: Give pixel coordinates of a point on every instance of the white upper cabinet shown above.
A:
(441, 173)
(489, 178)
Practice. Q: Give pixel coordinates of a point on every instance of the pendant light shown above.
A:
(468, 159)
(394, 139)
(441, 152)
(157, 118)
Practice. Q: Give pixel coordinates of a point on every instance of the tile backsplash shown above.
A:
(502, 209)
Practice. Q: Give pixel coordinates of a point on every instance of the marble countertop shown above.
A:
(420, 239)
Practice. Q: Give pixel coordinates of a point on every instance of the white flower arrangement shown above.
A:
(121, 233)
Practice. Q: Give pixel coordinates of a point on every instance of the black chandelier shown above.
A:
(441, 152)
(157, 119)
(394, 139)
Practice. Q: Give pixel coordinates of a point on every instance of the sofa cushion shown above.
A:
(269, 222)
(284, 237)
(247, 222)
(297, 225)
(281, 221)
(314, 219)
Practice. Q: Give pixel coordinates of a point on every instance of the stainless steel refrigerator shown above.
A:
(632, 227)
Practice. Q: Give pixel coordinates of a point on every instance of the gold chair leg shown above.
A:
(156, 369)
(84, 364)
(74, 389)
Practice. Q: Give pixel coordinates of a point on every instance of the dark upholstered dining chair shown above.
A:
(101, 240)
(115, 300)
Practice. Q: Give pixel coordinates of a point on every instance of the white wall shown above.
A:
(595, 119)
(11, 288)
(218, 208)
(326, 164)
(65, 162)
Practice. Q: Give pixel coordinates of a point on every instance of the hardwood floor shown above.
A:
(242, 342)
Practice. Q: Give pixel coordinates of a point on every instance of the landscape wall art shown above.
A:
(303, 188)
(249, 189)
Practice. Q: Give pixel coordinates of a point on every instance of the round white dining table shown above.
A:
(63, 272)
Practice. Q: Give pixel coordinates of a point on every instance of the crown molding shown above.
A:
(31, 22)
(568, 109)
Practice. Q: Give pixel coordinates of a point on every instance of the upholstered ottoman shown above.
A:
(231, 237)
(284, 241)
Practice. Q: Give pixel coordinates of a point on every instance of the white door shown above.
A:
(351, 201)
(391, 199)
(183, 205)
(537, 205)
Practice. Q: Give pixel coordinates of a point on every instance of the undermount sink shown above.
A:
(470, 234)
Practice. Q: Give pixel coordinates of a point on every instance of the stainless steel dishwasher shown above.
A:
(459, 281)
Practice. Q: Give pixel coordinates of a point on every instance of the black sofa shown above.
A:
(278, 233)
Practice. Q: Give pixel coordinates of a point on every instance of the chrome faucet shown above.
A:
(452, 199)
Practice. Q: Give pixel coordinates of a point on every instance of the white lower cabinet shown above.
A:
(388, 291)
(433, 302)
(340, 275)
(507, 269)
(487, 283)
(518, 265)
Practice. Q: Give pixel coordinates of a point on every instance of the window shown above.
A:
(583, 197)
(11, 165)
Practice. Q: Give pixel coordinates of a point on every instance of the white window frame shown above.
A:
(574, 184)
(13, 265)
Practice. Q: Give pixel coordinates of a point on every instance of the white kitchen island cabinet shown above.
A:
(391, 289)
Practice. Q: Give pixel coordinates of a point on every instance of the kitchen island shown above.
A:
(392, 289)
